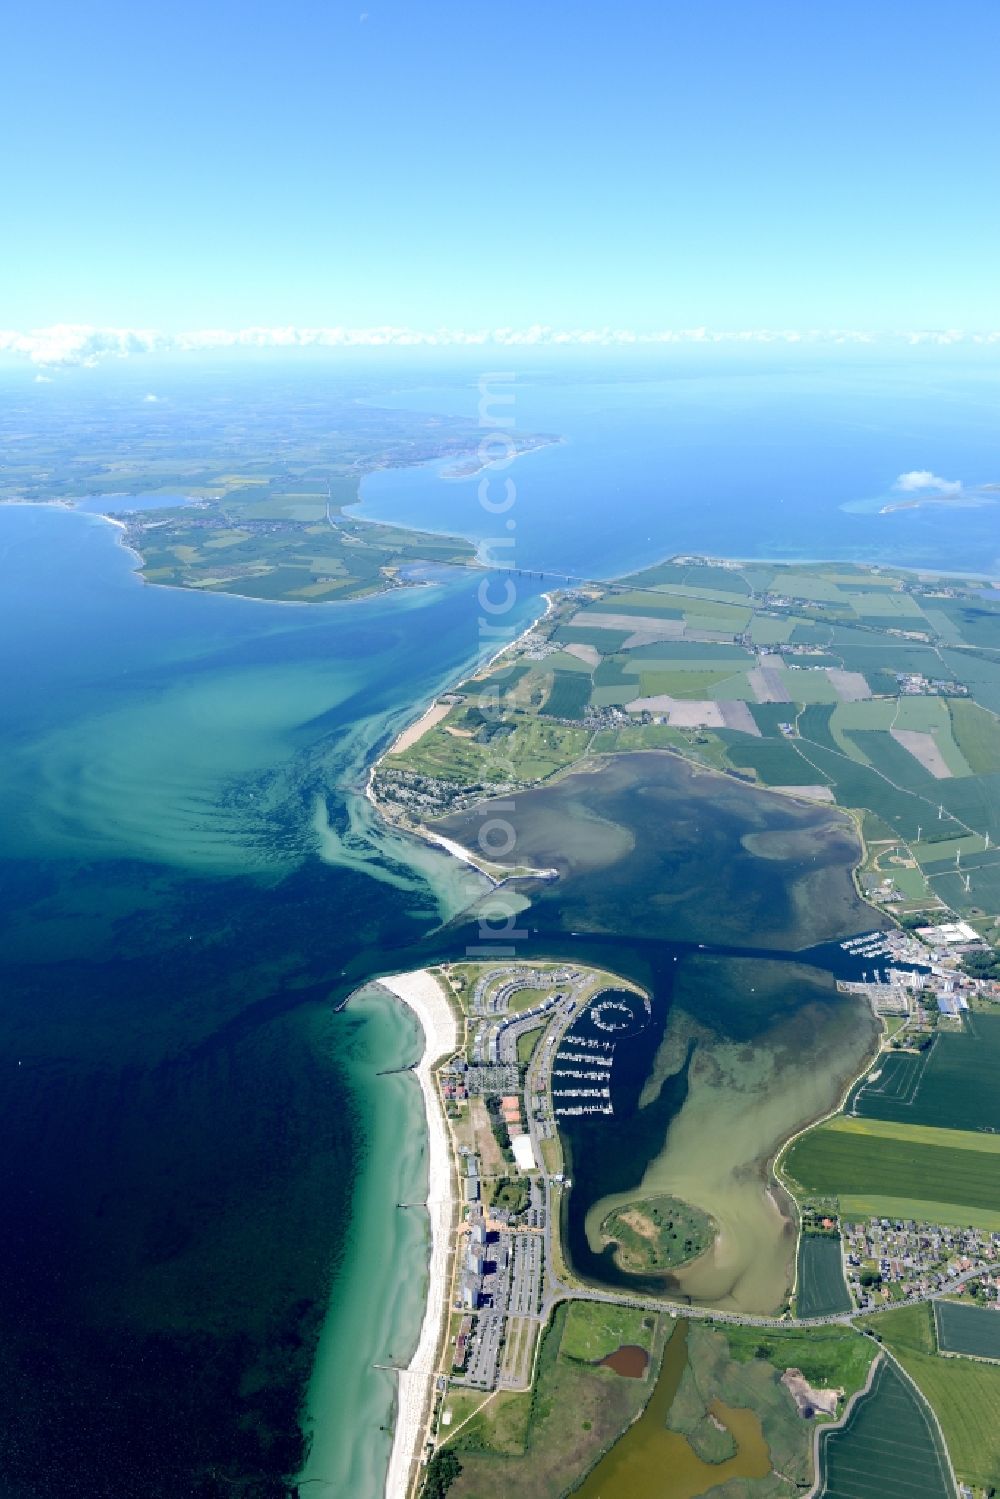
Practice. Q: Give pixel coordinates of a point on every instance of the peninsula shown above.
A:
(858, 689)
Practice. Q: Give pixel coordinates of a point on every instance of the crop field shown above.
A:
(972, 1330)
(589, 631)
(889, 1091)
(889, 1445)
(215, 548)
(808, 685)
(821, 1289)
(873, 1158)
(775, 761)
(964, 1393)
(952, 1086)
(860, 786)
(980, 674)
(569, 696)
(977, 734)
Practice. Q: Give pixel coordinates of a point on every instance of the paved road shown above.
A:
(557, 1291)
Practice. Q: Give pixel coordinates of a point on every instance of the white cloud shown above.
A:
(80, 344)
(43, 379)
(921, 478)
(151, 397)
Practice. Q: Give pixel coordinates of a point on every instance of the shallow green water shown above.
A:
(701, 890)
(199, 1156)
(191, 1171)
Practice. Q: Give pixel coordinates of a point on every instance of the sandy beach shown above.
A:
(425, 996)
(416, 731)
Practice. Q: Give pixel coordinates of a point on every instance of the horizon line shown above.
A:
(86, 345)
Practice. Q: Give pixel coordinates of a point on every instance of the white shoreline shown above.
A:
(416, 730)
(415, 1387)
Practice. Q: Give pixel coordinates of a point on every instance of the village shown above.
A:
(890, 1260)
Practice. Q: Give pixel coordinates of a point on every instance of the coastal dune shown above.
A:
(426, 998)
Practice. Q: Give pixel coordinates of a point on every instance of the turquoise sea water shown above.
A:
(201, 1157)
(193, 1138)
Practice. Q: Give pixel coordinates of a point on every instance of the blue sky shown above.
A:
(728, 163)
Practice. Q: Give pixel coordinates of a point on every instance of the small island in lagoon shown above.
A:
(815, 683)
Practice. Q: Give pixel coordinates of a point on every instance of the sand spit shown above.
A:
(426, 998)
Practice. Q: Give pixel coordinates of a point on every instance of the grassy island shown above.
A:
(657, 1233)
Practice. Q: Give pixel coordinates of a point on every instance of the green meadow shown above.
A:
(876, 1159)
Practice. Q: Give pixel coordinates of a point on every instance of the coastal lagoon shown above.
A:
(705, 892)
(197, 1171)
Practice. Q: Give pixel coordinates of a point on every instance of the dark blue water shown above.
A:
(181, 1121)
(183, 1111)
(791, 462)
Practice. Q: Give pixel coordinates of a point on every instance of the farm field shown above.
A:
(963, 1393)
(820, 1288)
(219, 549)
(953, 1085)
(873, 1159)
(972, 1330)
(888, 1445)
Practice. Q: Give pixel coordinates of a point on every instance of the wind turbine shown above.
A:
(968, 883)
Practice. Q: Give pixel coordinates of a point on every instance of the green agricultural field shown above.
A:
(766, 630)
(971, 1330)
(889, 607)
(691, 655)
(981, 674)
(820, 1286)
(776, 762)
(888, 1445)
(806, 684)
(569, 696)
(680, 684)
(953, 1085)
(581, 630)
(218, 549)
(977, 734)
(860, 786)
(633, 605)
(963, 1393)
(872, 1158)
(699, 578)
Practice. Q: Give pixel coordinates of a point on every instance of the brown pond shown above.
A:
(652, 1461)
(629, 1360)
